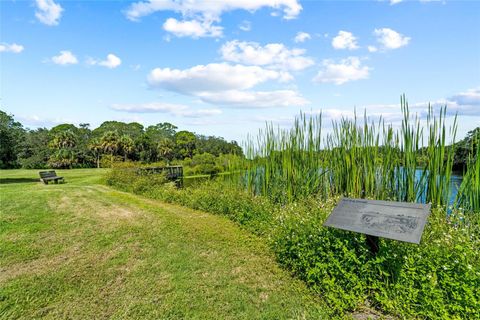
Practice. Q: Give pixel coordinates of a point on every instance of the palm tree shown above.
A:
(96, 147)
(127, 145)
(165, 148)
(110, 142)
(64, 140)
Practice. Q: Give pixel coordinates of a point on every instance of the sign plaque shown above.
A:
(387, 219)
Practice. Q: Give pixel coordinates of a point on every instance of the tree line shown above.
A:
(70, 146)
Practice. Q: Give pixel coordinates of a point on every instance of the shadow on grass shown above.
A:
(18, 180)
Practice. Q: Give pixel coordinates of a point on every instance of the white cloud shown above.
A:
(111, 62)
(393, 2)
(345, 40)
(201, 15)
(346, 70)
(255, 99)
(170, 108)
(213, 9)
(192, 28)
(48, 12)
(272, 55)
(464, 103)
(15, 48)
(372, 49)
(65, 58)
(245, 25)
(391, 39)
(302, 37)
(226, 85)
(211, 77)
(469, 97)
(34, 121)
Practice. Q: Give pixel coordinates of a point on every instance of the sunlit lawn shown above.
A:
(82, 250)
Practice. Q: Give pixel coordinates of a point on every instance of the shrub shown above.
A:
(435, 280)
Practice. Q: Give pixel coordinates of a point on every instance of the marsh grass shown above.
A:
(359, 158)
(468, 196)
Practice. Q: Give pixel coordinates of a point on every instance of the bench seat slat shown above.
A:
(46, 176)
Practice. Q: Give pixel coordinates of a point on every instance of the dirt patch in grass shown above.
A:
(74, 255)
(38, 266)
(83, 206)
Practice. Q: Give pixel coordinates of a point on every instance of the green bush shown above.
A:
(438, 279)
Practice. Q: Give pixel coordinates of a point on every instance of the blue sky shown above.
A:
(225, 67)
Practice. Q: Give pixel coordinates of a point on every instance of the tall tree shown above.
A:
(185, 141)
(126, 145)
(110, 142)
(96, 148)
(34, 149)
(11, 134)
(64, 155)
(166, 149)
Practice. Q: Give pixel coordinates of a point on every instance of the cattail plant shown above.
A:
(359, 158)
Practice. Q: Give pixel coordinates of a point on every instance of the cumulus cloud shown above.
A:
(391, 39)
(345, 40)
(462, 104)
(465, 103)
(111, 62)
(65, 58)
(272, 55)
(291, 8)
(302, 37)
(211, 77)
(254, 99)
(349, 69)
(169, 108)
(14, 48)
(394, 2)
(192, 28)
(201, 16)
(372, 49)
(48, 12)
(226, 85)
(470, 97)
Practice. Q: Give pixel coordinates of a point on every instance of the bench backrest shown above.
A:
(47, 174)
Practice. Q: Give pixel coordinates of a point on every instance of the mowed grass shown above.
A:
(81, 250)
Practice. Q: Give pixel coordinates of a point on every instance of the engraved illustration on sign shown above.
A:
(388, 219)
(389, 224)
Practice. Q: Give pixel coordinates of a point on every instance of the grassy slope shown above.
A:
(82, 250)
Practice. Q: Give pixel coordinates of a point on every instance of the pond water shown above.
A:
(455, 182)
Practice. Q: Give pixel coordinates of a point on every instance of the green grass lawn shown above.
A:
(83, 250)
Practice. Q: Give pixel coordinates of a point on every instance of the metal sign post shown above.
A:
(400, 221)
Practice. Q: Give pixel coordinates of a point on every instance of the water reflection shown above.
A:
(455, 181)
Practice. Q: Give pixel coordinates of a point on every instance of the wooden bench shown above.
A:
(47, 176)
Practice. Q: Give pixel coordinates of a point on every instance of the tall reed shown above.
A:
(468, 196)
(359, 158)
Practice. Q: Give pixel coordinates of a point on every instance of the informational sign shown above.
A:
(387, 219)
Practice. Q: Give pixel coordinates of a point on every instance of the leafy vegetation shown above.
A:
(367, 160)
(437, 279)
(293, 180)
(68, 146)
